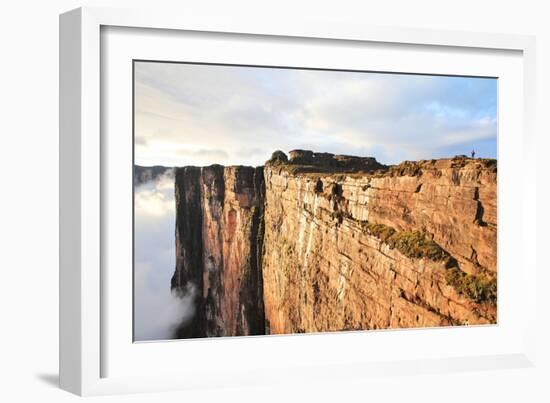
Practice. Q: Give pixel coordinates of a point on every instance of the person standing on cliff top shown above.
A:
(473, 152)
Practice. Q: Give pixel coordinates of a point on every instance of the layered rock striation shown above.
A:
(397, 247)
(320, 242)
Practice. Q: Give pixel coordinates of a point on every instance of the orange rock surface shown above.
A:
(322, 271)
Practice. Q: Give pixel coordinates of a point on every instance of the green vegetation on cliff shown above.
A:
(416, 244)
(413, 244)
(480, 288)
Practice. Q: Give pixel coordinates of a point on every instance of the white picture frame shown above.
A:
(85, 345)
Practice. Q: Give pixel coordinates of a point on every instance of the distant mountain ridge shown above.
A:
(145, 174)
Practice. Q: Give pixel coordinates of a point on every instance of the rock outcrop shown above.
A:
(322, 242)
(218, 249)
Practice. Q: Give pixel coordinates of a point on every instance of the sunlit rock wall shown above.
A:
(324, 270)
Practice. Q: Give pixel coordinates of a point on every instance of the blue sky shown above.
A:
(200, 115)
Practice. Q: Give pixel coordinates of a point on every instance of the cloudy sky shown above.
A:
(189, 114)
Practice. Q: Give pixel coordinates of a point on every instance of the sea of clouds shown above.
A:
(157, 311)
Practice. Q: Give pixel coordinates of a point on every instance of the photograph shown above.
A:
(274, 200)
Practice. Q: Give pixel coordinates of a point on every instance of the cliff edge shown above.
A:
(318, 242)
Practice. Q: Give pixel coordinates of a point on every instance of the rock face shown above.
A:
(188, 277)
(394, 248)
(321, 242)
(218, 249)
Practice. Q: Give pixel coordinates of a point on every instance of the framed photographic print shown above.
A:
(261, 197)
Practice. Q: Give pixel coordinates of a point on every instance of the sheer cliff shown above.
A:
(395, 248)
(318, 242)
(218, 249)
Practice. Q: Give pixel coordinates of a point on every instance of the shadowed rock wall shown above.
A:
(218, 248)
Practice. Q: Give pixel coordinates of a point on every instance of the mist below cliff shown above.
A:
(157, 312)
